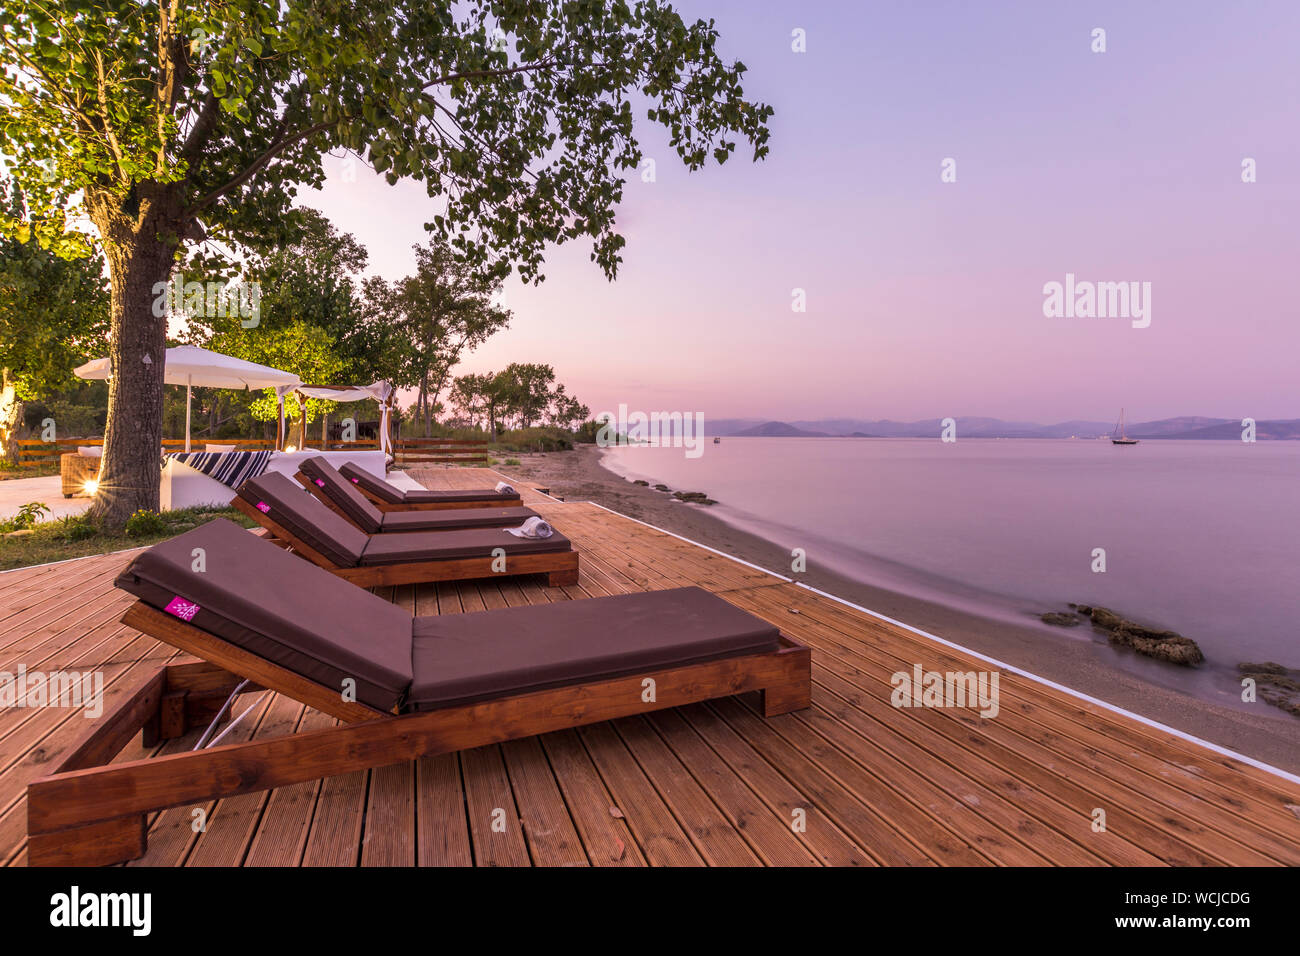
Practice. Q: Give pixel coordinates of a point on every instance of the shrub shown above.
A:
(538, 439)
(144, 523)
(76, 528)
(27, 516)
(512, 461)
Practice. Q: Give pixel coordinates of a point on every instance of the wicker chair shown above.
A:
(75, 471)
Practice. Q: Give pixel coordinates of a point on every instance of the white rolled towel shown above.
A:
(533, 528)
(504, 489)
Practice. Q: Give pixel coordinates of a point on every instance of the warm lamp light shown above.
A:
(290, 449)
(91, 486)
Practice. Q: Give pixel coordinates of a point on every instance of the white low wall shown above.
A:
(184, 487)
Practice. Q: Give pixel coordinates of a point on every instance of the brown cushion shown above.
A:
(281, 608)
(456, 518)
(344, 494)
(396, 496)
(459, 543)
(294, 507)
(424, 496)
(459, 658)
(376, 486)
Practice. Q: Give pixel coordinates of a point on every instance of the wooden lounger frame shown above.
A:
(560, 567)
(506, 502)
(92, 812)
(321, 495)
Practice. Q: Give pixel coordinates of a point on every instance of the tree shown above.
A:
(53, 317)
(520, 394)
(482, 397)
(527, 388)
(442, 311)
(314, 279)
(298, 347)
(169, 124)
(566, 411)
(311, 282)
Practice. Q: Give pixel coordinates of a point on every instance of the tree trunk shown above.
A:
(129, 473)
(11, 416)
(139, 232)
(428, 406)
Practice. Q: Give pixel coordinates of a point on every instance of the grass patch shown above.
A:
(512, 461)
(9, 470)
(77, 536)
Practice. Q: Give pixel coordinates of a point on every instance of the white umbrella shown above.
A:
(190, 365)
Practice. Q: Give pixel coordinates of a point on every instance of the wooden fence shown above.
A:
(409, 451)
(33, 451)
(455, 451)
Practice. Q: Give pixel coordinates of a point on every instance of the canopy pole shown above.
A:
(279, 421)
(189, 390)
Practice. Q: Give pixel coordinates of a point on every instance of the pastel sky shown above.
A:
(924, 298)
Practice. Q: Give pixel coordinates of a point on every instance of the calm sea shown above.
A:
(1200, 537)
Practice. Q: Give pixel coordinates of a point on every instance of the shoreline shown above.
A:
(1087, 665)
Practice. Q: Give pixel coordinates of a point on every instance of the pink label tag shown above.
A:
(355, 482)
(319, 483)
(179, 607)
(263, 507)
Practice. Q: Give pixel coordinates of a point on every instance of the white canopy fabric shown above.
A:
(190, 365)
(381, 391)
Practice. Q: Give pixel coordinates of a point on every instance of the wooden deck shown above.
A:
(710, 784)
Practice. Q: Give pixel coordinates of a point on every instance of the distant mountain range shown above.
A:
(1187, 426)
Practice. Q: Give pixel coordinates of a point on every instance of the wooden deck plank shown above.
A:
(714, 783)
(389, 836)
(548, 828)
(605, 835)
(281, 836)
(335, 835)
(494, 824)
(441, 828)
(715, 837)
(769, 838)
(820, 834)
(652, 824)
(1159, 809)
(234, 822)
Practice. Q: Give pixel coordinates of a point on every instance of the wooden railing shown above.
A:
(409, 451)
(368, 444)
(33, 451)
(457, 451)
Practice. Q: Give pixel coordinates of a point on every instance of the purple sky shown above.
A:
(924, 298)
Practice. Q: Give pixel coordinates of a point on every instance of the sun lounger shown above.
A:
(298, 521)
(388, 497)
(342, 497)
(262, 620)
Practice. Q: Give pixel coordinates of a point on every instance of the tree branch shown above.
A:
(198, 135)
(103, 106)
(479, 74)
(256, 165)
(283, 142)
(171, 65)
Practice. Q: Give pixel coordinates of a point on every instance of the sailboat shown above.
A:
(1123, 438)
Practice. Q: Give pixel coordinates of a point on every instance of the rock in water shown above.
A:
(1164, 645)
(695, 497)
(1061, 619)
(1278, 685)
